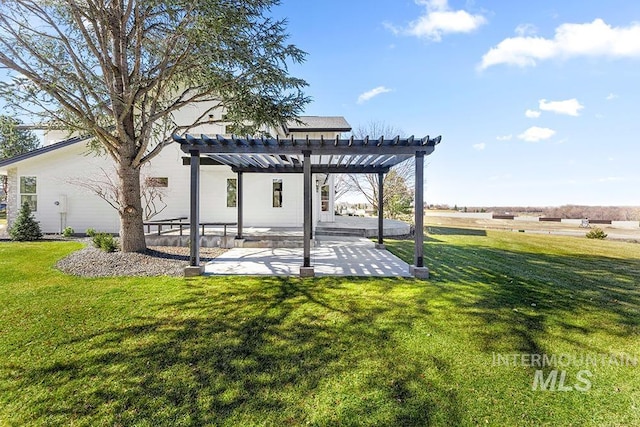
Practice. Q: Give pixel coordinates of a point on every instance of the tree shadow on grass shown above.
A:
(285, 352)
(521, 294)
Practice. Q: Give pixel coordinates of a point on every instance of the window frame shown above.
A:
(33, 196)
(276, 193)
(157, 181)
(235, 193)
(325, 201)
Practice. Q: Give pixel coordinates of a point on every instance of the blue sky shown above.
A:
(538, 102)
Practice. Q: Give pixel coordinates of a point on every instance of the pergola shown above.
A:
(307, 156)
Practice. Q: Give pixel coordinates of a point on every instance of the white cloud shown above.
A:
(611, 179)
(570, 107)
(532, 114)
(437, 20)
(535, 134)
(372, 93)
(592, 39)
(611, 96)
(504, 137)
(523, 30)
(481, 146)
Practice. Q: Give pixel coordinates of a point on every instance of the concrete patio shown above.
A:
(278, 237)
(349, 256)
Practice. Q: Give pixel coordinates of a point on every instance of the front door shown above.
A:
(325, 204)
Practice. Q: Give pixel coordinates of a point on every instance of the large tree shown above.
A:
(14, 141)
(120, 69)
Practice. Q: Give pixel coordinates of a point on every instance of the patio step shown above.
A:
(337, 231)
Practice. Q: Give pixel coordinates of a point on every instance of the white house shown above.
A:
(51, 179)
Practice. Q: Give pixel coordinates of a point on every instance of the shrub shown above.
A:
(90, 232)
(105, 241)
(25, 228)
(596, 233)
(68, 232)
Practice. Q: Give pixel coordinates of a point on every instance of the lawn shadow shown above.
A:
(521, 294)
(282, 350)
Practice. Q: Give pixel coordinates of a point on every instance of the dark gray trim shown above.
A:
(204, 161)
(314, 169)
(194, 218)
(419, 210)
(222, 145)
(307, 209)
(380, 208)
(240, 204)
(327, 130)
(43, 150)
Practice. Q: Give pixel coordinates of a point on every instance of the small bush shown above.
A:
(90, 232)
(25, 228)
(596, 233)
(105, 241)
(68, 232)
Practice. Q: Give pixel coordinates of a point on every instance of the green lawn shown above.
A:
(331, 351)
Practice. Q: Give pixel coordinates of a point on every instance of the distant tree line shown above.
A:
(614, 213)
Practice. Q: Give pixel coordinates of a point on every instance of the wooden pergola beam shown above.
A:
(314, 169)
(222, 145)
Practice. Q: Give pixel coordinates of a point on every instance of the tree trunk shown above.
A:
(131, 223)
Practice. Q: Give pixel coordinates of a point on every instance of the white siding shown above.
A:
(53, 171)
(56, 170)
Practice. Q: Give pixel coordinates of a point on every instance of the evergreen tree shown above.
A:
(25, 227)
(14, 141)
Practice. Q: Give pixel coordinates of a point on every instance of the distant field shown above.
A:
(559, 228)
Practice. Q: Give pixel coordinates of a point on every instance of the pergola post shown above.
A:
(418, 269)
(240, 206)
(194, 268)
(380, 244)
(307, 270)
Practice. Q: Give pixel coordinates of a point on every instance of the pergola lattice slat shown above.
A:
(221, 145)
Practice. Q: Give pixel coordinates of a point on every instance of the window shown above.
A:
(324, 197)
(28, 193)
(157, 182)
(232, 192)
(277, 193)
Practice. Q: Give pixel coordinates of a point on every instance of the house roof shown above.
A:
(42, 150)
(318, 124)
(275, 155)
(308, 124)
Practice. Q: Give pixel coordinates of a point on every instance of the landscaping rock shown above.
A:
(156, 261)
